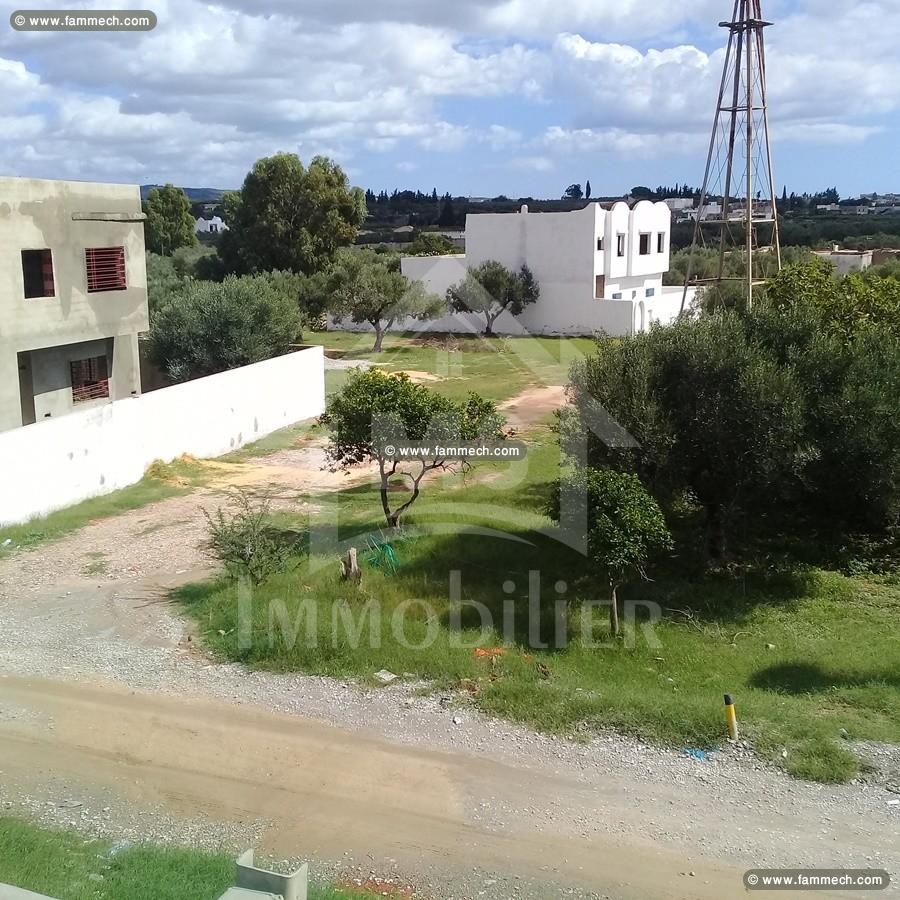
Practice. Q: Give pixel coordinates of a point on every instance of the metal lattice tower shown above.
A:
(739, 164)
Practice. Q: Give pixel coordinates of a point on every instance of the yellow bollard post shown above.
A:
(731, 718)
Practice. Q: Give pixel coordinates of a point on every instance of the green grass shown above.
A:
(160, 482)
(811, 656)
(60, 863)
(283, 439)
(498, 367)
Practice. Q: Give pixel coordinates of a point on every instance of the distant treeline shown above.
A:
(851, 232)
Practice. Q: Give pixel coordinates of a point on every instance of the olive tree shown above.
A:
(376, 413)
(491, 289)
(209, 327)
(367, 287)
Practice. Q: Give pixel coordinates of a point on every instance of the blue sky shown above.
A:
(476, 97)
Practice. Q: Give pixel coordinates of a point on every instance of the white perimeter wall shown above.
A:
(564, 308)
(62, 461)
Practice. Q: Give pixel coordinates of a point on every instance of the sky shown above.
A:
(474, 97)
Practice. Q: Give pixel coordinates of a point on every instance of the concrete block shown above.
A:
(236, 893)
(8, 892)
(288, 887)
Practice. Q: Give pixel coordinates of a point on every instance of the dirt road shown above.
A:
(112, 722)
(326, 792)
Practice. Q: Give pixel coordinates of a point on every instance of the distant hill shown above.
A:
(193, 194)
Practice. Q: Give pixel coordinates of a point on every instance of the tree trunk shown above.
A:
(379, 338)
(489, 327)
(715, 529)
(614, 611)
(385, 504)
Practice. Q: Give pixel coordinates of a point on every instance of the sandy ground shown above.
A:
(113, 722)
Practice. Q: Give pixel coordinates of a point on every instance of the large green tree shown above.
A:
(290, 217)
(209, 327)
(844, 306)
(169, 223)
(365, 286)
(712, 412)
(375, 413)
(491, 289)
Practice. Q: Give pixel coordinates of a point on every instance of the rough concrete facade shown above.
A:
(41, 336)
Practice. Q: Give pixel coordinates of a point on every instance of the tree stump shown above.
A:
(350, 570)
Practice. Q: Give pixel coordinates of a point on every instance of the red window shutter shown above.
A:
(90, 379)
(47, 273)
(105, 268)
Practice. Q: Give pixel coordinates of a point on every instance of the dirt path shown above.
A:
(339, 795)
(111, 721)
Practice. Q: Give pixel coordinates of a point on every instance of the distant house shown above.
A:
(846, 261)
(711, 210)
(855, 209)
(210, 226)
(679, 204)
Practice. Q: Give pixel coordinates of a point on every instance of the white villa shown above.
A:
(210, 226)
(600, 269)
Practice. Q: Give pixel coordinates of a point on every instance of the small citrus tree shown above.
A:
(491, 289)
(626, 527)
(375, 413)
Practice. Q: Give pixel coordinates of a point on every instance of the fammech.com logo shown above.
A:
(474, 450)
(816, 879)
(83, 20)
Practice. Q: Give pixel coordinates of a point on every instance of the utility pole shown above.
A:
(739, 150)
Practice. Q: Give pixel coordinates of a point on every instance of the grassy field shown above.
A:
(811, 656)
(497, 368)
(60, 864)
(160, 482)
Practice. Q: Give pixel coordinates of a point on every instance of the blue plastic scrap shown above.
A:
(696, 754)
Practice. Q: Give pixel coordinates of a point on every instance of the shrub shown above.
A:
(626, 529)
(245, 543)
(209, 327)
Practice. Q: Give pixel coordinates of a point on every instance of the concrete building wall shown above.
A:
(846, 261)
(66, 218)
(64, 460)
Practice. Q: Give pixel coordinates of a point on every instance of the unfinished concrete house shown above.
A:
(73, 296)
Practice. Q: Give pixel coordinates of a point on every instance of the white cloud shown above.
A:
(499, 137)
(218, 84)
(533, 163)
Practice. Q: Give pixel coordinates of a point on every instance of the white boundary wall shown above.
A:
(62, 461)
(560, 311)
